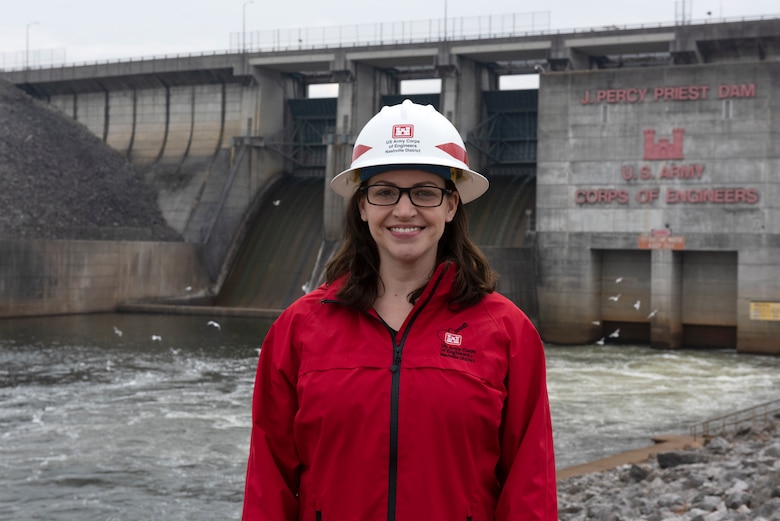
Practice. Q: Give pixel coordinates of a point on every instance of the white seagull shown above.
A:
(615, 333)
(618, 280)
(615, 298)
(600, 341)
(156, 338)
(652, 314)
(214, 324)
(637, 304)
(117, 331)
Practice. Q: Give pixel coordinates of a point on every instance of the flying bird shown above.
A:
(618, 280)
(596, 322)
(156, 338)
(652, 314)
(615, 333)
(615, 298)
(117, 331)
(637, 305)
(214, 324)
(276, 202)
(600, 341)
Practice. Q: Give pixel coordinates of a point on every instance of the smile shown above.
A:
(398, 229)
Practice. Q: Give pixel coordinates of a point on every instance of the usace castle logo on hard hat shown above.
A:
(403, 131)
(402, 140)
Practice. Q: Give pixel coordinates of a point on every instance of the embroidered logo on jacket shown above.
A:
(452, 345)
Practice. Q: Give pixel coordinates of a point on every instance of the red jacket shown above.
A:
(447, 419)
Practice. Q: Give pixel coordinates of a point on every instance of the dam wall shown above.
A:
(182, 129)
(68, 277)
(652, 156)
(658, 205)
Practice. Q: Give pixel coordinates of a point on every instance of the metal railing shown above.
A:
(35, 58)
(488, 26)
(383, 33)
(757, 415)
(434, 30)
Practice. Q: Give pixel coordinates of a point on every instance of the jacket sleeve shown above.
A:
(526, 469)
(273, 474)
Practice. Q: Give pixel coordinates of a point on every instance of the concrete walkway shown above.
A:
(664, 443)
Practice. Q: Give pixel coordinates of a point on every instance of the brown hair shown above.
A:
(358, 258)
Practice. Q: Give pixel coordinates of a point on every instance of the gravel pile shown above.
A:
(733, 477)
(59, 181)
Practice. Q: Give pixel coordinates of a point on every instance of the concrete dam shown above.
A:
(635, 191)
(279, 256)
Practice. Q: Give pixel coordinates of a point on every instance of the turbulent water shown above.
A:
(129, 417)
(606, 399)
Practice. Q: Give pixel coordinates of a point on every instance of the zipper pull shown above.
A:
(396, 359)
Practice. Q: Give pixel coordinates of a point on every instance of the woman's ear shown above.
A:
(452, 205)
(362, 208)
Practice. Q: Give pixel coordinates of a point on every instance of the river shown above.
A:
(143, 417)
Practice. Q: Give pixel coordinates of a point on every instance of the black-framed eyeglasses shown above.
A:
(422, 196)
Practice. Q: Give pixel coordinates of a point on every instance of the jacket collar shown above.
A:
(440, 283)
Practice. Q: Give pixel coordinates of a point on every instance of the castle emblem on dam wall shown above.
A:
(663, 149)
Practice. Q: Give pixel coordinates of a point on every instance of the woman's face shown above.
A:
(404, 233)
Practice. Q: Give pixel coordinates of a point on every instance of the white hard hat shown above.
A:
(410, 136)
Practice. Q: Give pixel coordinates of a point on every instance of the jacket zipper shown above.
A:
(395, 391)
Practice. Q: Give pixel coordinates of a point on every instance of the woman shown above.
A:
(404, 388)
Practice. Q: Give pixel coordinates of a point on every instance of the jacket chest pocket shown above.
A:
(486, 364)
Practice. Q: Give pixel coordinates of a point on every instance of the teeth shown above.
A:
(404, 230)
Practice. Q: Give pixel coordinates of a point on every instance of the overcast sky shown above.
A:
(97, 30)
